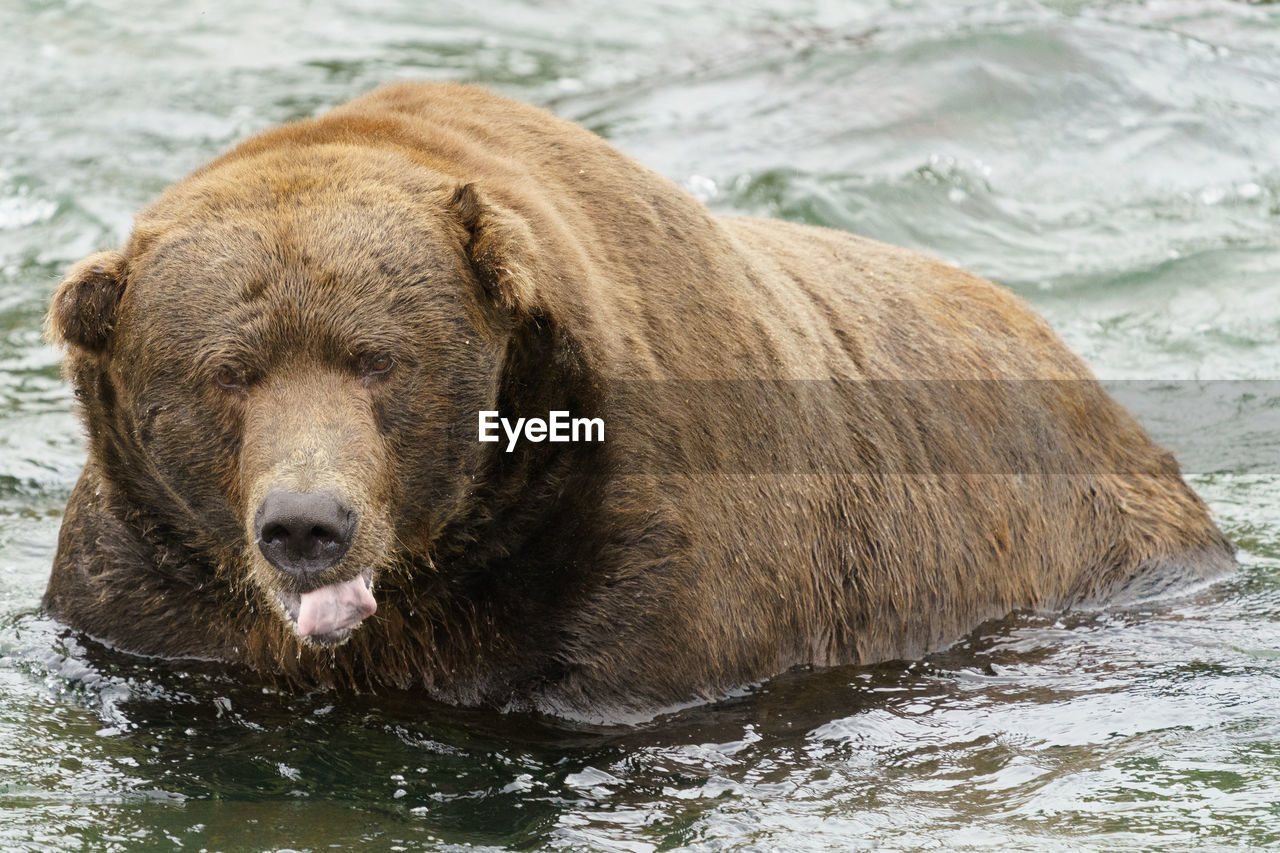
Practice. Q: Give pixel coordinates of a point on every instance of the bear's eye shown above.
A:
(376, 364)
(229, 378)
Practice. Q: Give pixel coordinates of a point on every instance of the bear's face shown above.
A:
(289, 359)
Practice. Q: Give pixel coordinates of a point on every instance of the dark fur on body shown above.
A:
(729, 528)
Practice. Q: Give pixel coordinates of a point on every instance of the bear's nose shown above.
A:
(304, 533)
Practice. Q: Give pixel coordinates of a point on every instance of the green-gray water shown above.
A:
(1116, 163)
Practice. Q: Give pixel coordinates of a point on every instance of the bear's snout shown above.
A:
(304, 533)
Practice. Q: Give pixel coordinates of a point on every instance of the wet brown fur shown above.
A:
(777, 487)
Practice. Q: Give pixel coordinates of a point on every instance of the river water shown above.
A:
(1116, 163)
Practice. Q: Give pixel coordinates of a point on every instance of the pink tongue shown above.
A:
(334, 607)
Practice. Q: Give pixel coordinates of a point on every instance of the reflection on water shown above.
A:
(1113, 162)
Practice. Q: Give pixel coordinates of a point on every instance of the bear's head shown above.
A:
(283, 368)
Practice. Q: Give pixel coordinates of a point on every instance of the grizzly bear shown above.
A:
(814, 448)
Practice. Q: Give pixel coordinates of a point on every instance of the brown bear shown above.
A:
(817, 449)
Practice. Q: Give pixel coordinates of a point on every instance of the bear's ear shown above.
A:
(501, 248)
(84, 307)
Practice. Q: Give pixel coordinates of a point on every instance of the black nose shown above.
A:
(304, 533)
